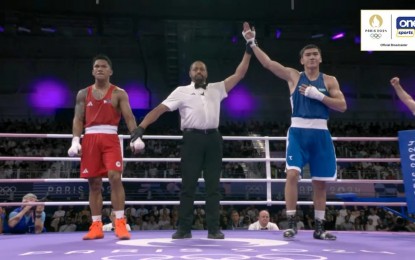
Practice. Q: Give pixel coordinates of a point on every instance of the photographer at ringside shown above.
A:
(28, 218)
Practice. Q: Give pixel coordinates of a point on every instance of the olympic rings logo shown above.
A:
(375, 35)
(6, 190)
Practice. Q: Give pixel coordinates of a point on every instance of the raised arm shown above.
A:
(403, 95)
(239, 74)
(288, 74)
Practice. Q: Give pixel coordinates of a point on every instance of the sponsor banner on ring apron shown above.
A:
(407, 153)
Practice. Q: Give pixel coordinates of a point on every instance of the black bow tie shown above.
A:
(200, 85)
(264, 228)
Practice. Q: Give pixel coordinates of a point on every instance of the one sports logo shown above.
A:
(405, 26)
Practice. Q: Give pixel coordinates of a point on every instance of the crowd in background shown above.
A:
(360, 218)
(57, 147)
(74, 218)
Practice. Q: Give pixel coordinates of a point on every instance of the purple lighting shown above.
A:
(234, 39)
(338, 36)
(357, 39)
(139, 95)
(89, 31)
(278, 33)
(1, 29)
(49, 94)
(239, 103)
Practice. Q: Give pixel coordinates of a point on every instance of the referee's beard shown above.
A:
(199, 79)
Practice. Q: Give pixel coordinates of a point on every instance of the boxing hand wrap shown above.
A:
(137, 133)
(75, 147)
(136, 142)
(249, 36)
(312, 92)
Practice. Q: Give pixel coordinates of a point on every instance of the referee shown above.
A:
(199, 107)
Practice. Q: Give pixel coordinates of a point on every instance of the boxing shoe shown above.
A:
(320, 233)
(215, 235)
(95, 231)
(292, 228)
(121, 229)
(180, 234)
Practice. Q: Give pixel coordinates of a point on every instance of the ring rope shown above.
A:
(268, 180)
(199, 180)
(223, 202)
(176, 137)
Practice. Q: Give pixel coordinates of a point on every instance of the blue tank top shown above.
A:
(305, 107)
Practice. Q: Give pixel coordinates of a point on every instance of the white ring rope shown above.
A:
(176, 137)
(223, 202)
(268, 179)
(199, 180)
(31, 158)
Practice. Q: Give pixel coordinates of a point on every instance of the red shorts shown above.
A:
(100, 153)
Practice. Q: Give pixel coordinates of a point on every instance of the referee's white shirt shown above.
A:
(257, 226)
(198, 108)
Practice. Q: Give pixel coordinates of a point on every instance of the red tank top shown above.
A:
(101, 112)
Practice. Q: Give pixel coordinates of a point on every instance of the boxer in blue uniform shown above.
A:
(309, 141)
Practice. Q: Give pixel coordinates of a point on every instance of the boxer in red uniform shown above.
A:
(98, 110)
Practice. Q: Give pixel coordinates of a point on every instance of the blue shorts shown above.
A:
(312, 146)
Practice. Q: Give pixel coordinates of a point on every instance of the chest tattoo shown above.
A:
(98, 94)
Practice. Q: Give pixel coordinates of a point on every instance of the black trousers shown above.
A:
(200, 152)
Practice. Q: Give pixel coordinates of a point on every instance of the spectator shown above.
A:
(370, 226)
(141, 211)
(263, 222)
(164, 221)
(2, 219)
(374, 217)
(198, 223)
(84, 223)
(347, 225)
(57, 218)
(235, 222)
(138, 224)
(69, 225)
(27, 218)
(151, 224)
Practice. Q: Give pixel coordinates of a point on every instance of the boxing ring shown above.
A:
(238, 244)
